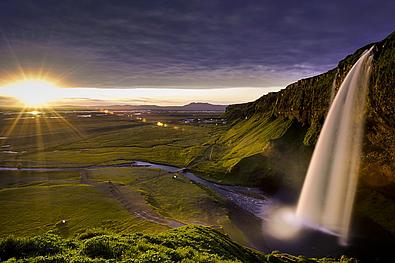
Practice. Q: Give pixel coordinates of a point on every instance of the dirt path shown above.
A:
(132, 201)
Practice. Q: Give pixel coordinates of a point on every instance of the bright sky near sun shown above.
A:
(39, 92)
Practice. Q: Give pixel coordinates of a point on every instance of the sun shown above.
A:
(33, 92)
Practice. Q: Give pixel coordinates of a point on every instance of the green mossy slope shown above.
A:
(307, 102)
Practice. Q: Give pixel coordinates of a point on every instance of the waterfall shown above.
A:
(328, 192)
(333, 90)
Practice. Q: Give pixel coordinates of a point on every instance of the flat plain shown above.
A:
(87, 189)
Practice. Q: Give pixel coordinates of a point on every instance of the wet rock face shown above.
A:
(307, 101)
(380, 133)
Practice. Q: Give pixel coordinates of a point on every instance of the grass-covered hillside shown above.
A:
(306, 102)
(258, 150)
(184, 244)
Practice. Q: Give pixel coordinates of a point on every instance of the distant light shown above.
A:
(107, 112)
(34, 112)
(160, 124)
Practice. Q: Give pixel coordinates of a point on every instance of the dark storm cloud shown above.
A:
(186, 43)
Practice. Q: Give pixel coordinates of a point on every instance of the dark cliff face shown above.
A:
(307, 102)
(379, 148)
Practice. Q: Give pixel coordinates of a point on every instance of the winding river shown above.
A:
(248, 198)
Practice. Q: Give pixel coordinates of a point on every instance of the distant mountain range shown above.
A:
(6, 102)
(194, 106)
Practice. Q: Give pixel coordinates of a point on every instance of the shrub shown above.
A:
(89, 233)
(185, 244)
(104, 247)
(26, 247)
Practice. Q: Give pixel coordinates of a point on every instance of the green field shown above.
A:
(101, 140)
(39, 208)
(35, 202)
(148, 142)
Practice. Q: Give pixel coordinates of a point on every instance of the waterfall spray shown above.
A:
(329, 189)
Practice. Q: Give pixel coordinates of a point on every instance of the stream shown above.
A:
(248, 198)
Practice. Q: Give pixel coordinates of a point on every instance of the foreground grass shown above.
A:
(39, 207)
(185, 244)
(176, 198)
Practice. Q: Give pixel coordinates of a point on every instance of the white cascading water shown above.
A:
(329, 189)
(333, 90)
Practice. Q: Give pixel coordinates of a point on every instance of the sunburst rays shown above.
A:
(33, 131)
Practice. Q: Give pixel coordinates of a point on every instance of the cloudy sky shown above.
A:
(240, 49)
